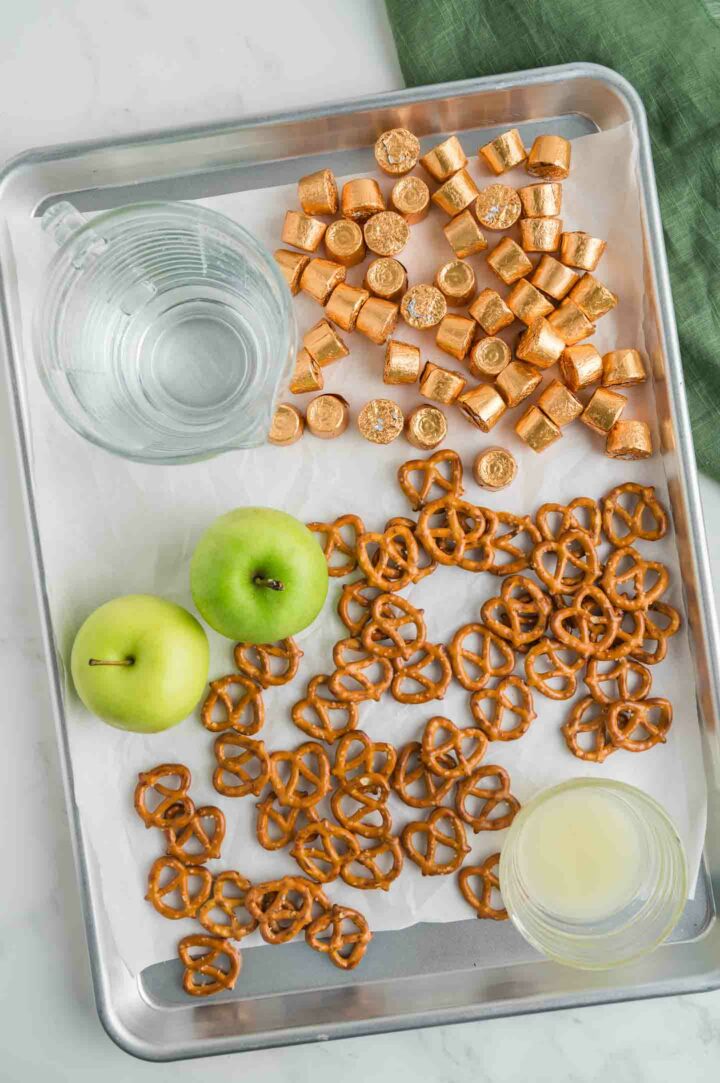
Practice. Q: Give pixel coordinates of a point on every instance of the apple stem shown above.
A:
(272, 584)
(104, 662)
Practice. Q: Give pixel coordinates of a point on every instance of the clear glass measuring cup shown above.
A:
(165, 331)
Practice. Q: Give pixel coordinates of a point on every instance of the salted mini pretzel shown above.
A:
(589, 624)
(583, 513)
(355, 604)
(414, 783)
(424, 677)
(383, 634)
(451, 530)
(639, 518)
(494, 657)
(344, 948)
(634, 573)
(321, 849)
(174, 804)
(356, 679)
(426, 565)
(323, 717)
(491, 706)
(566, 564)
(443, 829)
(276, 824)
(228, 899)
(628, 636)
(243, 765)
(621, 680)
(520, 614)
(432, 481)
(517, 542)
(545, 664)
(376, 866)
(637, 725)
(487, 874)
(586, 733)
(193, 843)
(389, 560)
(215, 968)
(657, 632)
(478, 787)
(282, 908)
(357, 755)
(444, 748)
(360, 805)
(160, 887)
(255, 661)
(340, 536)
(244, 714)
(300, 777)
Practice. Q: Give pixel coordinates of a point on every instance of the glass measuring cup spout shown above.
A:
(165, 331)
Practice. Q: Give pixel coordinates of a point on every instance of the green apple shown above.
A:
(140, 663)
(258, 575)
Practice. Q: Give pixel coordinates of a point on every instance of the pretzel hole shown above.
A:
(495, 898)
(554, 522)
(153, 798)
(194, 846)
(590, 740)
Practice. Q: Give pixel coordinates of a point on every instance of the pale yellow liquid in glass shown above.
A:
(580, 855)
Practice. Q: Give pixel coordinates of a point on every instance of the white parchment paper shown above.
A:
(113, 527)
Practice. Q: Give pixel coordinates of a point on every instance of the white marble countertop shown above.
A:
(78, 69)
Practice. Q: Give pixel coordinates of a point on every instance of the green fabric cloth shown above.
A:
(670, 51)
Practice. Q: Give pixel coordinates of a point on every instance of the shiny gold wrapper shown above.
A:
(549, 157)
(457, 193)
(489, 356)
(397, 151)
(629, 440)
(498, 206)
(581, 250)
(527, 303)
(327, 416)
(623, 368)
(381, 421)
(301, 231)
(426, 427)
(318, 192)
(537, 430)
(377, 319)
(423, 306)
(559, 403)
(464, 235)
(386, 233)
(402, 362)
(540, 234)
(320, 278)
(592, 298)
(344, 304)
(307, 375)
(456, 280)
(324, 344)
(540, 344)
(570, 323)
(603, 410)
(541, 200)
(504, 152)
(445, 159)
(517, 381)
(344, 242)
(386, 278)
(508, 261)
(494, 468)
(580, 366)
(411, 198)
(482, 405)
(491, 312)
(361, 198)
(553, 278)
(441, 385)
(454, 335)
(292, 265)
(287, 425)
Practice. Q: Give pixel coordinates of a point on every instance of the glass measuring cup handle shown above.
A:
(63, 223)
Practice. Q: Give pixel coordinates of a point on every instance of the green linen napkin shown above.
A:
(670, 51)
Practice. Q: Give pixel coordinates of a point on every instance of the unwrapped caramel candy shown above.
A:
(397, 151)
(498, 206)
(402, 362)
(318, 192)
(381, 421)
(549, 157)
(454, 335)
(292, 265)
(423, 306)
(504, 152)
(287, 425)
(327, 416)
(517, 381)
(527, 303)
(491, 312)
(489, 356)
(441, 385)
(494, 468)
(508, 261)
(559, 403)
(537, 430)
(426, 427)
(411, 198)
(445, 159)
(603, 410)
(464, 235)
(629, 440)
(482, 405)
(301, 231)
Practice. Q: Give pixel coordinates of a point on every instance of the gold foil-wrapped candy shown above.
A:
(344, 304)
(504, 152)
(540, 344)
(488, 357)
(397, 151)
(318, 192)
(559, 403)
(423, 306)
(623, 368)
(441, 385)
(508, 261)
(445, 159)
(327, 416)
(554, 278)
(527, 303)
(324, 344)
(629, 440)
(292, 265)
(603, 410)
(482, 405)
(381, 421)
(302, 231)
(464, 235)
(377, 319)
(517, 381)
(456, 280)
(592, 298)
(411, 198)
(494, 468)
(386, 233)
(344, 242)
(320, 278)
(540, 234)
(402, 362)
(537, 430)
(580, 366)
(549, 157)
(287, 425)
(498, 206)
(581, 250)
(570, 323)
(386, 277)
(541, 200)
(361, 198)
(491, 312)
(307, 375)
(454, 335)
(457, 193)
(426, 427)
